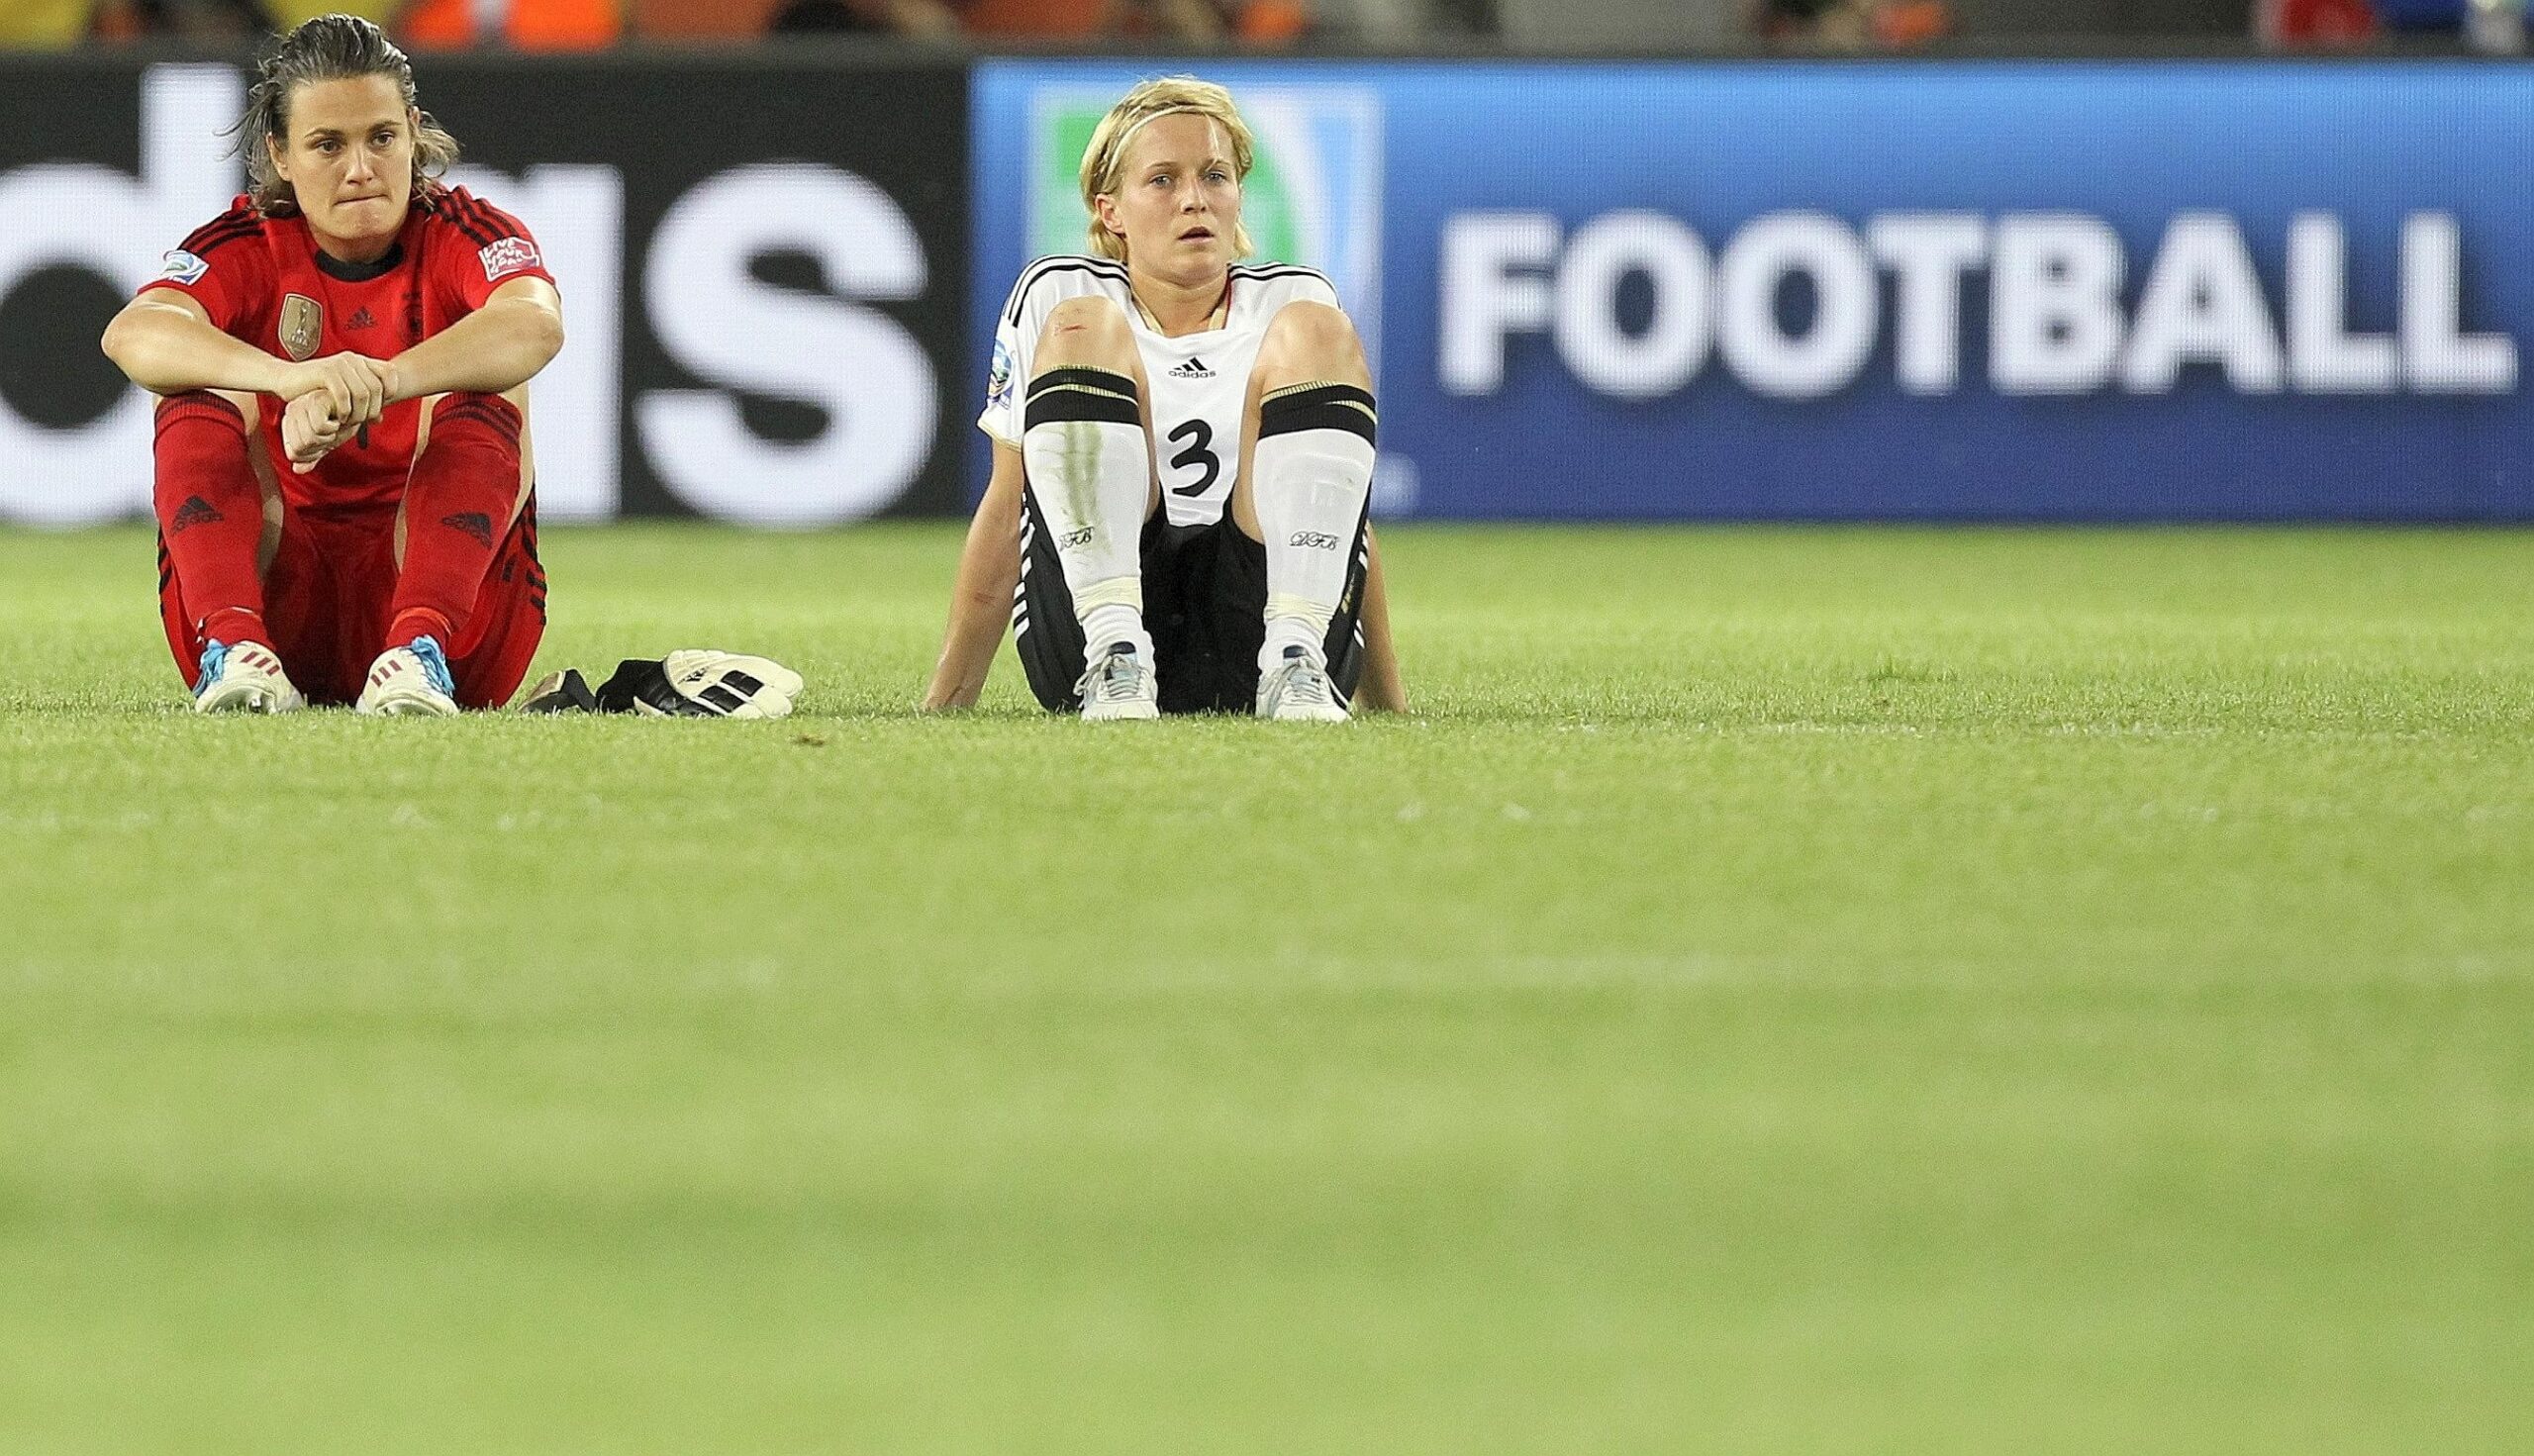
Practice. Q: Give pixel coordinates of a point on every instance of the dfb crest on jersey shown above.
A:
(303, 324)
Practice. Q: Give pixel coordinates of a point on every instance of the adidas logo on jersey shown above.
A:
(360, 319)
(1194, 369)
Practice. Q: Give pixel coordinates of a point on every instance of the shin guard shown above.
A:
(1314, 465)
(458, 509)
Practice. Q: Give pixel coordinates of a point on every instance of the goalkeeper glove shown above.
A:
(692, 683)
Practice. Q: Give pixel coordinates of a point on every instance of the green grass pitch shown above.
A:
(1784, 991)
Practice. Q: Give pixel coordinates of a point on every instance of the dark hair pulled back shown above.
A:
(328, 47)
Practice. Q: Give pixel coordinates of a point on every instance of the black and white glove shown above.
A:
(692, 683)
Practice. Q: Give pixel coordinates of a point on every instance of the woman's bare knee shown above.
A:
(1311, 342)
(1091, 331)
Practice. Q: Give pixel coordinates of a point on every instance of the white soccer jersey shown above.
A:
(1199, 382)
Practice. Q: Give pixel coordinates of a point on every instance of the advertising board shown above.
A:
(2112, 291)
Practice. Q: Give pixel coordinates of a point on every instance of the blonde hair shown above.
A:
(1106, 157)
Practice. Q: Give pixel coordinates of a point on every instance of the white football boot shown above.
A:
(1297, 690)
(411, 681)
(246, 678)
(1118, 685)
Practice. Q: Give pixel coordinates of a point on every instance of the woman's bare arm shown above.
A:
(981, 602)
(164, 343)
(1381, 690)
(499, 346)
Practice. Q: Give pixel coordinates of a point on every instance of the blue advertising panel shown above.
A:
(2154, 291)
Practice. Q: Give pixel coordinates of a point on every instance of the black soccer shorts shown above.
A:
(1205, 604)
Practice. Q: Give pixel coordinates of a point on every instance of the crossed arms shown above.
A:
(165, 342)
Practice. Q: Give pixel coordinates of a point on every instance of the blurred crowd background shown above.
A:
(1653, 27)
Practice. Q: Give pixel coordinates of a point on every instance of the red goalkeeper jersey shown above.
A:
(263, 280)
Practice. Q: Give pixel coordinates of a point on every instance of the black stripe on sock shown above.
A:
(1081, 394)
(505, 419)
(490, 411)
(1318, 407)
(1063, 375)
(197, 404)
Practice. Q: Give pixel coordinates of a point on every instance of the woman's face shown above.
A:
(1177, 202)
(349, 155)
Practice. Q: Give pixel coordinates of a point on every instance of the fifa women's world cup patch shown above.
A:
(185, 267)
(509, 255)
(999, 379)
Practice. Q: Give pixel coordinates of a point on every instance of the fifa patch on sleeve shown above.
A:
(999, 379)
(185, 267)
(509, 255)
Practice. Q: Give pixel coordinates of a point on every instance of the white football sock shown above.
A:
(1091, 473)
(1315, 471)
